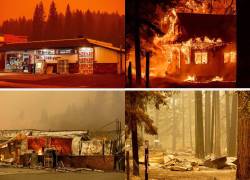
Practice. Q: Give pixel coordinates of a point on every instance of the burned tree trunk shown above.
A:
(147, 70)
(127, 165)
(207, 122)
(183, 122)
(174, 124)
(243, 168)
(129, 75)
(135, 148)
(137, 45)
(199, 136)
(190, 121)
(217, 142)
(228, 122)
(156, 124)
(133, 124)
(233, 132)
(212, 123)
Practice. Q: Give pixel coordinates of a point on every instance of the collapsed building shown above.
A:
(52, 149)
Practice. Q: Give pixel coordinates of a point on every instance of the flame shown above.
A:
(40, 152)
(203, 7)
(169, 25)
(190, 79)
(217, 78)
(1, 157)
(197, 7)
(168, 54)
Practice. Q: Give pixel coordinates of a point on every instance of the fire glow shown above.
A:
(217, 78)
(187, 58)
(190, 79)
(40, 152)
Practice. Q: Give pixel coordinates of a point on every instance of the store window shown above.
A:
(229, 57)
(18, 62)
(201, 58)
(14, 61)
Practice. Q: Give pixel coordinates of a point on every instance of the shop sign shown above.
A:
(49, 58)
(86, 60)
(66, 51)
(46, 52)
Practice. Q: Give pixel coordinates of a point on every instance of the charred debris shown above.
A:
(64, 151)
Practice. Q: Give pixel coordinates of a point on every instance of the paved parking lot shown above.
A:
(21, 80)
(31, 174)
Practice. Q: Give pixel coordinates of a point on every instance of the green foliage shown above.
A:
(136, 108)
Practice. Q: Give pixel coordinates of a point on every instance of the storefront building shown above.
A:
(84, 56)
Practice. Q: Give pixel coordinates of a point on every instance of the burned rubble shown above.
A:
(64, 151)
(186, 161)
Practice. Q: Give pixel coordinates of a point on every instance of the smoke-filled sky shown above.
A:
(17, 8)
(56, 110)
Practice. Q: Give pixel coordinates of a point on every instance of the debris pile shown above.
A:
(173, 163)
(221, 162)
(185, 161)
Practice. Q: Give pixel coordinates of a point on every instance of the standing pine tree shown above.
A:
(208, 122)
(68, 23)
(199, 135)
(89, 29)
(52, 27)
(79, 23)
(243, 168)
(38, 22)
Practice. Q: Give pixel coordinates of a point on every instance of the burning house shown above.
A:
(198, 46)
(84, 56)
(75, 149)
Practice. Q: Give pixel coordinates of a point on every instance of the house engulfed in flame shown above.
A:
(199, 46)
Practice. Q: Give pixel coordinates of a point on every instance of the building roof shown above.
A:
(60, 43)
(210, 25)
(11, 38)
(32, 132)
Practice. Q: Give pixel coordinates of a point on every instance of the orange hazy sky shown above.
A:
(17, 8)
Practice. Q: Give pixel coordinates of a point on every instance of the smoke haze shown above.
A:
(61, 110)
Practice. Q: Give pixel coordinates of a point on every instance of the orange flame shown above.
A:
(217, 78)
(40, 152)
